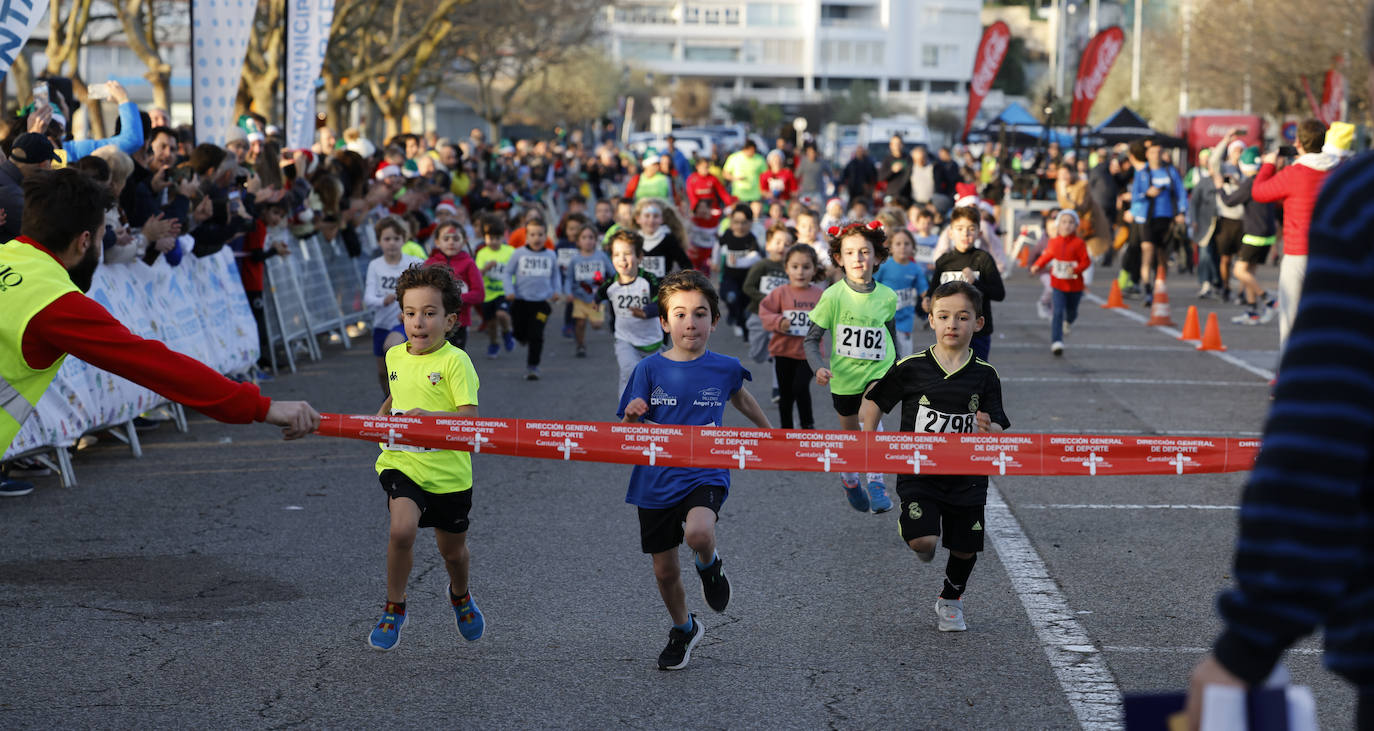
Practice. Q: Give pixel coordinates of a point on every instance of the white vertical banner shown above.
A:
(307, 39)
(18, 18)
(220, 29)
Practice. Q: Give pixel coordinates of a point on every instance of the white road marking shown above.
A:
(1109, 506)
(1264, 373)
(1090, 688)
(1129, 381)
(1191, 650)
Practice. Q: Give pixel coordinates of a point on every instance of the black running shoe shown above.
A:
(715, 587)
(680, 644)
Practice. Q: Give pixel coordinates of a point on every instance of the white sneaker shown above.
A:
(1068, 328)
(951, 614)
(739, 331)
(1057, 348)
(1205, 290)
(1043, 310)
(1268, 311)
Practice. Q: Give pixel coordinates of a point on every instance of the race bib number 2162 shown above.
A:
(860, 343)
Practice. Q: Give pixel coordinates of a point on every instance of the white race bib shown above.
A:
(655, 265)
(565, 256)
(532, 267)
(771, 282)
(930, 421)
(625, 301)
(740, 259)
(585, 271)
(798, 322)
(1063, 269)
(925, 253)
(956, 275)
(497, 273)
(906, 298)
(860, 343)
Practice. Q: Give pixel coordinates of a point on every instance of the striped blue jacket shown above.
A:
(1305, 556)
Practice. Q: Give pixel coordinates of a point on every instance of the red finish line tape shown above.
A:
(799, 450)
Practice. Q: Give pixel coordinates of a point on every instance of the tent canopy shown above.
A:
(1124, 125)
(1022, 129)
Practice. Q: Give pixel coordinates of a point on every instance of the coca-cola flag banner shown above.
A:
(667, 445)
(1333, 94)
(219, 38)
(991, 50)
(1098, 57)
(307, 39)
(17, 21)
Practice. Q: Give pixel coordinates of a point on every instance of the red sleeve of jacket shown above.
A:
(477, 292)
(630, 187)
(1047, 254)
(724, 194)
(1270, 186)
(76, 324)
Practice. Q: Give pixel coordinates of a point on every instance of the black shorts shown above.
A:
(1227, 236)
(1154, 231)
(848, 404)
(924, 516)
(491, 307)
(1251, 254)
(660, 529)
(446, 511)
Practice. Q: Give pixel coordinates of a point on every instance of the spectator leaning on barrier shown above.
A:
(44, 275)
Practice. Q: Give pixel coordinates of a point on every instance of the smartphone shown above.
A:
(1288, 151)
(98, 92)
(41, 99)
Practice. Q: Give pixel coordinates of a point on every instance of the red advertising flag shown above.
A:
(1312, 100)
(991, 50)
(1333, 95)
(1097, 61)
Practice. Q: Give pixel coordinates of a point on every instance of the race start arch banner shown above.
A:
(797, 450)
(17, 22)
(307, 40)
(219, 39)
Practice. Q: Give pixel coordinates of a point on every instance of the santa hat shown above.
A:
(410, 170)
(446, 205)
(311, 162)
(1250, 160)
(1235, 144)
(387, 170)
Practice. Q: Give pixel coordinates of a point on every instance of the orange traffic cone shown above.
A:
(1211, 337)
(1114, 301)
(1191, 331)
(1159, 307)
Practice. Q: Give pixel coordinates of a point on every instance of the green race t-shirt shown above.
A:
(861, 348)
(746, 171)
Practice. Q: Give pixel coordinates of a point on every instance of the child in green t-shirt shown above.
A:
(859, 313)
(427, 487)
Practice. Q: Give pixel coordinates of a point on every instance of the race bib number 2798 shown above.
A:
(930, 421)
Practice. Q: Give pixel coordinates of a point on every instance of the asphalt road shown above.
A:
(228, 578)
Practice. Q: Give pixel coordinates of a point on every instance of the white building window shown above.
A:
(711, 54)
(647, 50)
(771, 14)
(643, 14)
(930, 55)
(950, 55)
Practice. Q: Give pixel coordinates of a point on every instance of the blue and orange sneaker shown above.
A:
(854, 491)
(467, 617)
(387, 634)
(878, 500)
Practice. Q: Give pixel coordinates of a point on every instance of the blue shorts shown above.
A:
(379, 339)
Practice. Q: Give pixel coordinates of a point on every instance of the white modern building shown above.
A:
(918, 53)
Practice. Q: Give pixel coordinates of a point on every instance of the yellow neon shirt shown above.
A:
(443, 380)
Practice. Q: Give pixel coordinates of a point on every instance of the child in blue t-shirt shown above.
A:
(686, 384)
(906, 277)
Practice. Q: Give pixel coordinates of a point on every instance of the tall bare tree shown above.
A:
(143, 22)
(66, 35)
(505, 44)
(262, 61)
(386, 48)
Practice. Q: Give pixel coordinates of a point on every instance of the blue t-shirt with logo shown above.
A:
(909, 282)
(693, 393)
